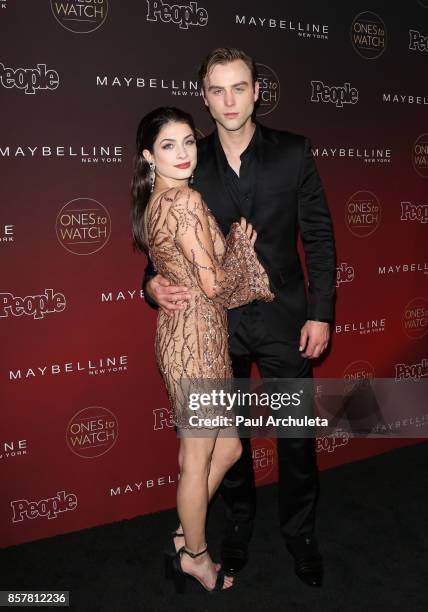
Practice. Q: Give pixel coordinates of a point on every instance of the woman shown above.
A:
(173, 224)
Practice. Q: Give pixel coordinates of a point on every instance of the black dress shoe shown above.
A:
(308, 564)
(234, 548)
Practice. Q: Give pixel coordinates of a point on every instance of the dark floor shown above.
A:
(372, 528)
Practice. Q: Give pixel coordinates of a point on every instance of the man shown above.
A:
(270, 178)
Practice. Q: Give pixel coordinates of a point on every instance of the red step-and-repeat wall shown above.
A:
(86, 436)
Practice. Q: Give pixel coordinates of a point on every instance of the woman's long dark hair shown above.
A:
(147, 132)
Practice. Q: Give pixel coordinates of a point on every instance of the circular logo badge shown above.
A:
(83, 226)
(92, 432)
(80, 17)
(357, 370)
(420, 155)
(362, 214)
(415, 318)
(269, 90)
(264, 457)
(368, 35)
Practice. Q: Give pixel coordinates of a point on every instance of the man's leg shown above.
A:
(238, 488)
(298, 483)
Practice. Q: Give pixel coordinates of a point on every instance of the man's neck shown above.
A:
(235, 142)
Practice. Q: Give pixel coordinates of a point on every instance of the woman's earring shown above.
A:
(152, 176)
(191, 179)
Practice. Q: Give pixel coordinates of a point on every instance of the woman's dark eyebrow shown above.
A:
(173, 139)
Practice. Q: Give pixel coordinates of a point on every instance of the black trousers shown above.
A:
(297, 464)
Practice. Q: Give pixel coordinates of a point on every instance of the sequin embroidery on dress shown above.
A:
(188, 248)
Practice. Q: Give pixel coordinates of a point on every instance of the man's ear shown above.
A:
(147, 155)
(256, 90)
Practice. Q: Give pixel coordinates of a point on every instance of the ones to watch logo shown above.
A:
(269, 90)
(36, 306)
(29, 79)
(181, 15)
(420, 155)
(363, 214)
(415, 318)
(264, 457)
(80, 16)
(83, 226)
(92, 432)
(368, 35)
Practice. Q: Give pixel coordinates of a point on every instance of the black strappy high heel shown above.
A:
(174, 571)
(172, 552)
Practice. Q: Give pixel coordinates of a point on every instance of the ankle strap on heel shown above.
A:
(175, 534)
(192, 554)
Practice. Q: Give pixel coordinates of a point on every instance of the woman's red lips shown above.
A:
(183, 166)
(231, 114)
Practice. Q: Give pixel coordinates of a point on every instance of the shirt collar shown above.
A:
(251, 148)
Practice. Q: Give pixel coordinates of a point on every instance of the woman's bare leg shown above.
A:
(203, 463)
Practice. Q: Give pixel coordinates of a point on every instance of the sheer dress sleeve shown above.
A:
(232, 280)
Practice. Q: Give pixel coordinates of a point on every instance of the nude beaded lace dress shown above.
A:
(188, 248)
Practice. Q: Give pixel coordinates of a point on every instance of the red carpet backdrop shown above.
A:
(86, 436)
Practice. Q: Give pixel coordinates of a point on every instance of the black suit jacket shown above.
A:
(289, 200)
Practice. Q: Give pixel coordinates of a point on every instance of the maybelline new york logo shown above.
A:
(13, 448)
(404, 98)
(93, 367)
(91, 154)
(36, 306)
(181, 15)
(144, 485)
(339, 95)
(418, 41)
(378, 155)
(176, 87)
(125, 295)
(408, 267)
(29, 79)
(414, 371)
(7, 233)
(372, 326)
(302, 29)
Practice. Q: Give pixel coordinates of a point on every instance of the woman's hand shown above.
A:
(249, 230)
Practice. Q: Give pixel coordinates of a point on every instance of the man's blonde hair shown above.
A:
(225, 55)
